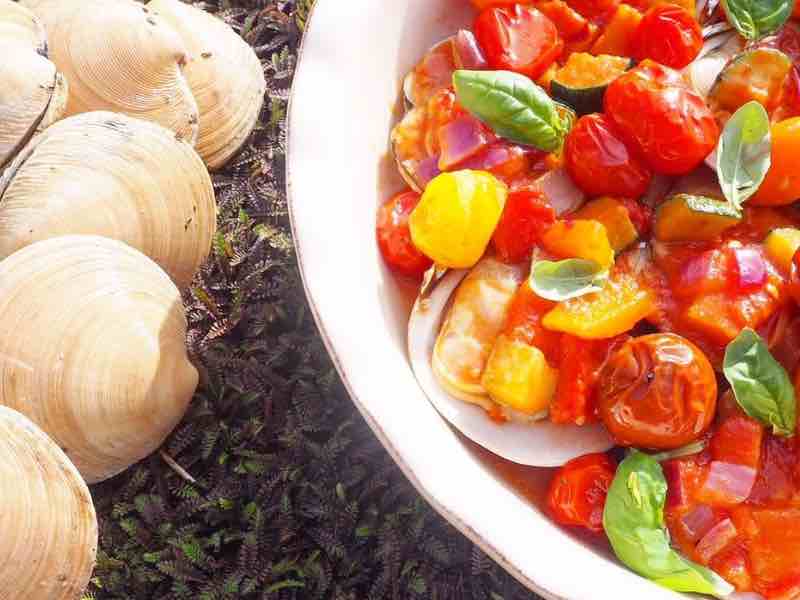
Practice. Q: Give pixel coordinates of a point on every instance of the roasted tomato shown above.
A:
(518, 38)
(527, 214)
(654, 108)
(600, 163)
(657, 391)
(394, 237)
(577, 493)
(668, 34)
(596, 10)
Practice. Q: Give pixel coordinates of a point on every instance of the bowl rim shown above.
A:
(396, 456)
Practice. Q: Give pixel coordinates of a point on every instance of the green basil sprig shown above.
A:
(513, 106)
(633, 520)
(744, 153)
(566, 279)
(756, 18)
(760, 384)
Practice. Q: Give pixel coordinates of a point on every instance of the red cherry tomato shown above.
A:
(596, 10)
(653, 107)
(526, 215)
(518, 38)
(394, 237)
(668, 34)
(577, 494)
(599, 161)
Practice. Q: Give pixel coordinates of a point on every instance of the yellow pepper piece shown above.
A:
(580, 239)
(456, 217)
(615, 217)
(781, 245)
(620, 305)
(517, 376)
(677, 222)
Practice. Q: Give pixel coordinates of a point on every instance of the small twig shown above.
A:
(182, 473)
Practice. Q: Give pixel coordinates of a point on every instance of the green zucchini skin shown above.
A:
(583, 101)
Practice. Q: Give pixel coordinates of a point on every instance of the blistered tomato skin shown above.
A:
(518, 38)
(669, 35)
(669, 123)
(526, 216)
(394, 237)
(657, 391)
(577, 493)
(600, 163)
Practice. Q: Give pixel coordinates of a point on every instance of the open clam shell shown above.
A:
(49, 526)
(225, 76)
(120, 56)
(137, 184)
(92, 349)
(540, 443)
(32, 93)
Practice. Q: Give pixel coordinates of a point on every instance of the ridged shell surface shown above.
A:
(119, 56)
(32, 93)
(225, 76)
(49, 540)
(112, 175)
(92, 350)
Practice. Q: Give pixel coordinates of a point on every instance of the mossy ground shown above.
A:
(286, 492)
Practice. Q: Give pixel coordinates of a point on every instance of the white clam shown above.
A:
(540, 443)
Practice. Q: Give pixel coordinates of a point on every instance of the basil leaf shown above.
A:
(756, 18)
(760, 384)
(633, 519)
(566, 279)
(512, 106)
(744, 153)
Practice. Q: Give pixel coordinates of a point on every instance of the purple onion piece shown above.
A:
(729, 483)
(460, 140)
(750, 267)
(426, 170)
(716, 540)
(468, 52)
(698, 521)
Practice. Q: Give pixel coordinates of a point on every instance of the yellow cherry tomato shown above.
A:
(456, 217)
(782, 185)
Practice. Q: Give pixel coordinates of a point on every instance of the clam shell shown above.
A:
(120, 56)
(541, 443)
(112, 175)
(32, 92)
(92, 349)
(18, 24)
(49, 526)
(225, 76)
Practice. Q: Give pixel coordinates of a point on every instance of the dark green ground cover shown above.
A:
(293, 497)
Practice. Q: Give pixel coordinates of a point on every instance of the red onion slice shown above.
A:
(557, 186)
(750, 267)
(698, 522)
(468, 52)
(462, 139)
(716, 540)
(727, 483)
(426, 170)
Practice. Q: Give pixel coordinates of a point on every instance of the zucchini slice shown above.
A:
(581, 83)
(757, 74)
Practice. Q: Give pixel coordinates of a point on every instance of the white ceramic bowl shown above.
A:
(344, 101)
